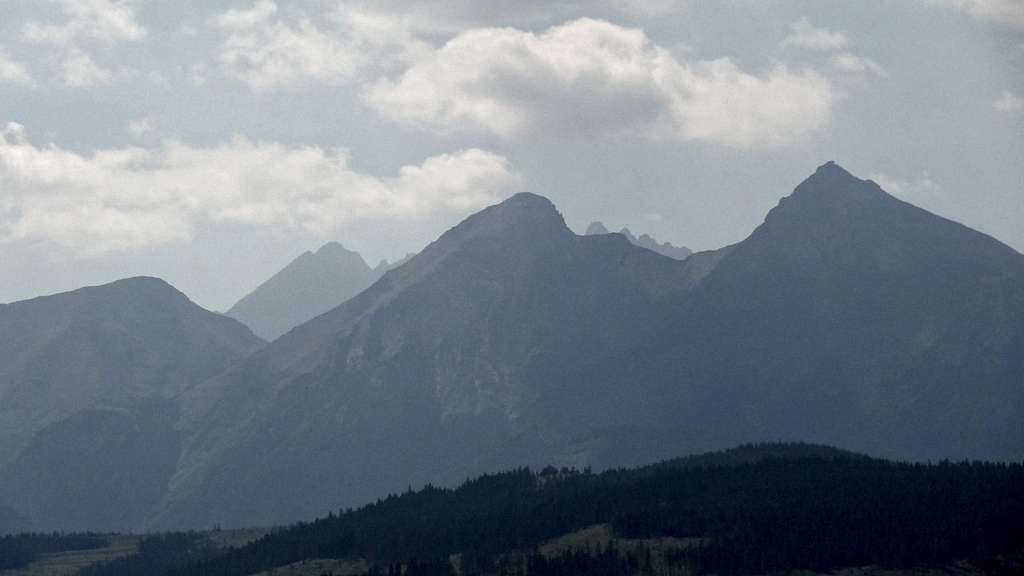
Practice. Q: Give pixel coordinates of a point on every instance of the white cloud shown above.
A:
(135, 198)
(920, 189)
(1009, 103)
(455, 16)
(271, 48)
(1005, 12)
(269, 51)
(590, 76)
(803, 34)
(106, 21)
(79, 70)
(849, 62)
(14, 72)
(140, 127)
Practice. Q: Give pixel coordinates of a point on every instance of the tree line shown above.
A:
(763, 509)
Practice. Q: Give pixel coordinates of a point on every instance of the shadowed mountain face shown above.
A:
(852, 317)
(473, 355)
(848, 317)
(11, 521)
(644, 241)
(88, 381)
(310, 285)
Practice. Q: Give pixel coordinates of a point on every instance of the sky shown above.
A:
(211, 142)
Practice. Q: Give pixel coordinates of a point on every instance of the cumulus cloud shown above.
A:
(106, 21)
(267, 53)
(1009, 103)
(269, 50)
(849, 62)
(134, 198)
(1005, 12)
(591, 76)
(103, 22)
(803, 34)
(454, 16)
(79, 70)
(14, 72)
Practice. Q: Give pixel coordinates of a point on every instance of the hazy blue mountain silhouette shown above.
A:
(854, 318)
(848, 317)
(11, 522)
(644, 241)
(466, 358)
(88, 387)
(310, 285)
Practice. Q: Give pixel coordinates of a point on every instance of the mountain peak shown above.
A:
(333, 248)
(831, 166)
(829, 176)
(135, 286)
(832, 188)
(528, 205)
(522, 215)
(308, 286)
(149, 282)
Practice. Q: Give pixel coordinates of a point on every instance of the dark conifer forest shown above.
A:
(17, 551)
(754, 510)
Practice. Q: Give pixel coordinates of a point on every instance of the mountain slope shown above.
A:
(469, 357)
(310, 285)
(852, 318)
(848, 317)
(88, 387)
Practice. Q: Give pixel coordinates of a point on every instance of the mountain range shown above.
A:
(89, 382)
(849, 318)
(308, 286)
(644, 241)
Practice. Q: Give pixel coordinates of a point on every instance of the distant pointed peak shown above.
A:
(333, 247)
(832, 171)
(596, 228)
(149, 285)
(830, 165)
(524, 203)
(832, 180)
(831, 192)
(523, 215)
(528, 200)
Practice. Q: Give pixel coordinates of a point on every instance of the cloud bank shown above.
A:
(136, 198)
(591, 77)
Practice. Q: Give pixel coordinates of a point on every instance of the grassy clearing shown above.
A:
(67, 563)
(318, 567)
(236, 538)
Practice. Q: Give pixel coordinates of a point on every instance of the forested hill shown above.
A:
(756, 509)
